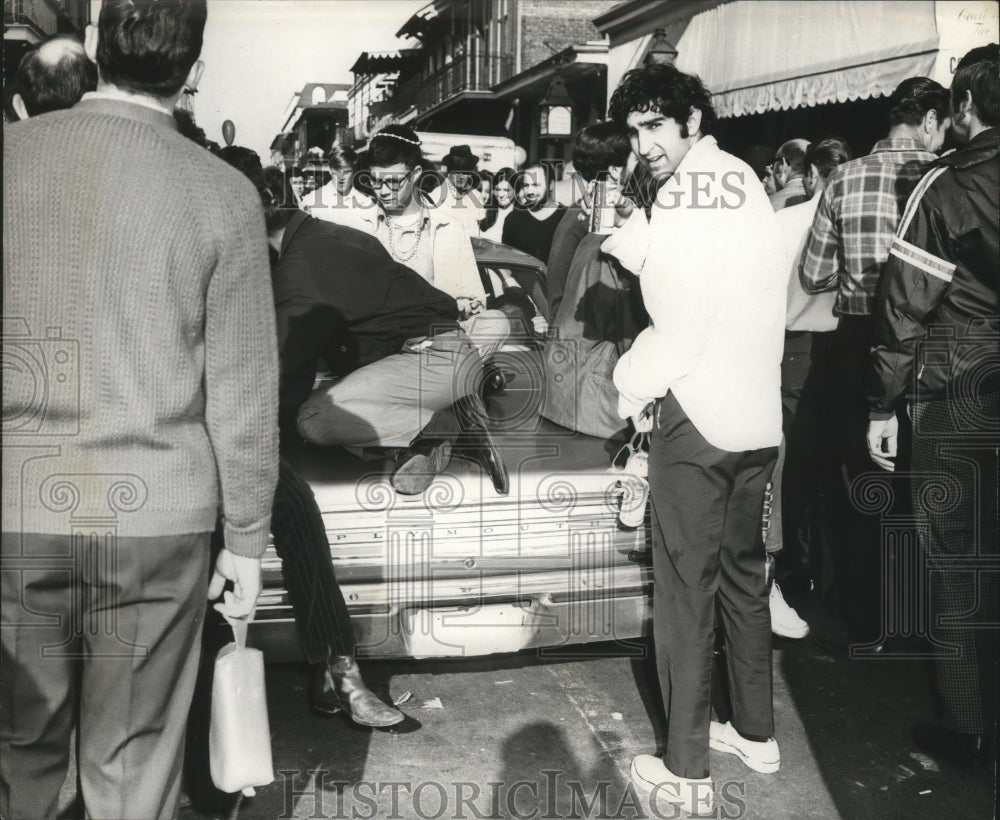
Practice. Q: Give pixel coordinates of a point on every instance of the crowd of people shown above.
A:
(765, 327)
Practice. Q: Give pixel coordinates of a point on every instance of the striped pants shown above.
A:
(321, 618)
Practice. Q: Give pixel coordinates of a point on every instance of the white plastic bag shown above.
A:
(239, 738)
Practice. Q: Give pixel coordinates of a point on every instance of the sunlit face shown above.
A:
(394, 186)
(462, 180)
(533, 188)
(503, 193)
(657, 141)
(343, 180)
(298, 185)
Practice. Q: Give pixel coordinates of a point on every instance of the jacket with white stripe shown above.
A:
(937, 317)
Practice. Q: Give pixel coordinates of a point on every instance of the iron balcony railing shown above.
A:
(479, 73)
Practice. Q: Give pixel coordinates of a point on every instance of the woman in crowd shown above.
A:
(531, 229)
(500, 205)
(600, 308)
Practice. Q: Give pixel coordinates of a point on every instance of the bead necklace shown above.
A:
(396, 254)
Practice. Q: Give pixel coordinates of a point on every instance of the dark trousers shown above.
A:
(321, 618)
(707, 551)
(806, 468)
(112, 628)
(858, 533)
(954, 492)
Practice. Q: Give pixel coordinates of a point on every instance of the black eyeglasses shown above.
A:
(393, 181)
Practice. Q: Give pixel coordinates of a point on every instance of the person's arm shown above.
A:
(914, 282)
(819, 269)
(241, 374)
(629, 243)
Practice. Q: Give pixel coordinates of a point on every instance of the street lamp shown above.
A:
(661, 51)
(556, 111)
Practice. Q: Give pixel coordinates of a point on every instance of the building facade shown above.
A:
(483, 67)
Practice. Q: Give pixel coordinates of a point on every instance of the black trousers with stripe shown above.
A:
(321, 618)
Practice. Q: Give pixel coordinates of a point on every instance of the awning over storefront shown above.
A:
(772, 55)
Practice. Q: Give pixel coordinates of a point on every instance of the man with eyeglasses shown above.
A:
(788, 169)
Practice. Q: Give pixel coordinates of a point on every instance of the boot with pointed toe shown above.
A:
(477, 445)
(337, 687)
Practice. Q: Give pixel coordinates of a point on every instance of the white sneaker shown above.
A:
(694, 795)
(761, 757)
(785, 621)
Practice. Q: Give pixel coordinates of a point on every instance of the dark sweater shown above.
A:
(340, 296)
(138, 283)
(534, 236)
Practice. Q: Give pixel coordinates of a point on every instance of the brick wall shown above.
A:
(549, 26)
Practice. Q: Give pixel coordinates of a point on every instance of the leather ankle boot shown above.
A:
(337, 686)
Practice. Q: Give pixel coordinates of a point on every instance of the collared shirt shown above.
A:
(714, 288)
(793, 193)
(443, 254)
(124, 96)
(856, 221)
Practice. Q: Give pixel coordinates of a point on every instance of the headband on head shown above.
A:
(407, 140)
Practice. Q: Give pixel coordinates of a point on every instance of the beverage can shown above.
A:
(602, 215)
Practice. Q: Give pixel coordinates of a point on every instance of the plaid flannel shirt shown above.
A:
(856, 221)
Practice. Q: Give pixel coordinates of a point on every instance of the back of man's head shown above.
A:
(793, 153)
(827, 154)
(149, 46)
(914, 97)
(54, 76)
(666, 90)
(982, 80)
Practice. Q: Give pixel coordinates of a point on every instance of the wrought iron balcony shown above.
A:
(480, 73)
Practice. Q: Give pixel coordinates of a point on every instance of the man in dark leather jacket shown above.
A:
(937, 320)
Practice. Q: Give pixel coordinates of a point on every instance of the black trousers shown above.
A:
(858, 533)
(321, 618)
(103, 633)
(707, 552)
(808, 481)
(954, 492)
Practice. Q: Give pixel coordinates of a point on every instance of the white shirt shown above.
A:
(804, 311)
(714, 286)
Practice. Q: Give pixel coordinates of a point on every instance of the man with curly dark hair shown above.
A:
(704, 379)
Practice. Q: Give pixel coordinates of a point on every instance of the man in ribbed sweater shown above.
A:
(140, 400)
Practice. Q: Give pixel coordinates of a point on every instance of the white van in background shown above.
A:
(494, 152)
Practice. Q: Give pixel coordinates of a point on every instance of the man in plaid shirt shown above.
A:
(847, 247)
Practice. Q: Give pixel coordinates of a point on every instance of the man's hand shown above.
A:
(613, 198)
(245, 575)
(643, 420)
(883, 440)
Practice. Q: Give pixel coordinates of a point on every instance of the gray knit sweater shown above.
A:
(140, 369)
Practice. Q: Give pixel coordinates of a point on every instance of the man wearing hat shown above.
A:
(460, 190)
